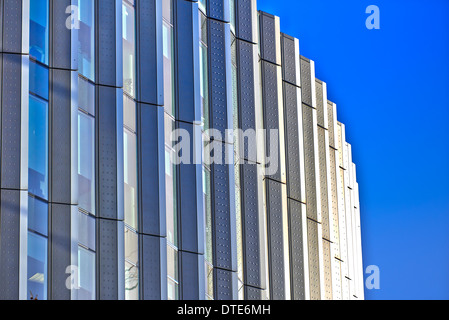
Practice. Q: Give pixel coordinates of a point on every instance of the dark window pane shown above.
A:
(38, 216)
(39, 30)
(39, 80)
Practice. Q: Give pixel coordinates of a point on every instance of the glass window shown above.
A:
(170, 183)
(38, 148)
(131, 246)
(86, 39)
(129, 63)
(39, 10)
(202, 5)
(86, 274)
(129, 113)
(37, 266)
(167, 36)
(86, 162)
(130, 162)
(204, 72)
(232, 14)
(38, 216)
(86, 96)
(86, 230)
(39, 80)
(167, 11)
(131, 281)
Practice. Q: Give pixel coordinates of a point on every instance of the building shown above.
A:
(92, 205)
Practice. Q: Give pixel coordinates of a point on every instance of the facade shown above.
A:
(93, 204)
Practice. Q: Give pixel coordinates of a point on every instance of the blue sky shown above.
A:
(391, 87)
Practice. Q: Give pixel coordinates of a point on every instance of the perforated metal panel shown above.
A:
(9, 244)
(309, 162)
(269, 38)
(246, 20)
(337, 281)
(323, 163)
(327, 258)
(320, 103)
(220, 79)
(225, 285)
(218, 9)
(334, 198)
(61, 138)
(60, 250)
(250, 213)
(331, 112)
(276, 239)
(290, 60)
(306, 82)
(314, 259)
(153, 267)
(13, 23)
(297, 255)
(62, 37)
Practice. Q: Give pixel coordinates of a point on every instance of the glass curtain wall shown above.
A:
(170, 167)
(37, 273)
(204, 83)
(130, 151)
(86, 151)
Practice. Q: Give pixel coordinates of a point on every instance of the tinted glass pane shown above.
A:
(39, 30)
(86, 162)
(128, 50)
(86, 230)
(39, 80)
(130, 161)
(131, 246)
(131, 282)
(172, 290)
(37, 266)
(129, 113)
(86, 39)
(38, 216)
(38, 148)
(172, 263)
(86, 274)
(167, 39)
(86, 96)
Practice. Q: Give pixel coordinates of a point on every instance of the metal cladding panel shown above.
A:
(192, 276)
(273, 119)
(270, 38)
(297, 212)
(61, 136)
(307, 76)
(150, 87)
(106, 121)
(187, 42)
(337, 281)
(290, 60)
(310, 162)
(253, 294)
(223, 208)
(251, 225)
(218, 10)
(153, 267)
(11, 121)
(61, 36)
(60, 250)
(327, 267)
(12, 26)
(246, 20)
(323, 150)
(342, 224)
(277, 239)
(314, 259)
(10, 244)
(111, 261)
(225, 285)
(151, 169)
(247, 97)
(334, 171)
(294, 143)
(108, 68)
(221, 112)
(190, 195)
(332, 117)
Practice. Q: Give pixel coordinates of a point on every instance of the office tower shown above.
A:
(169, 149)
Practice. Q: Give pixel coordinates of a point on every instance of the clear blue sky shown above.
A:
(391, 87)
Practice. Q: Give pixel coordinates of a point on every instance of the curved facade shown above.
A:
(169, 149)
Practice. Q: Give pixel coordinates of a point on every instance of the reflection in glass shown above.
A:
(39, 80)
(86, 39)
(38, 148)
(86, 275)
(38, 216)
(86, 96)
(167, 41)
(39, 10)
(129, 48)
(170, 184)
(86, 230)
(131, 281)
(37, 266)
(130, 162)
(86, 162)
